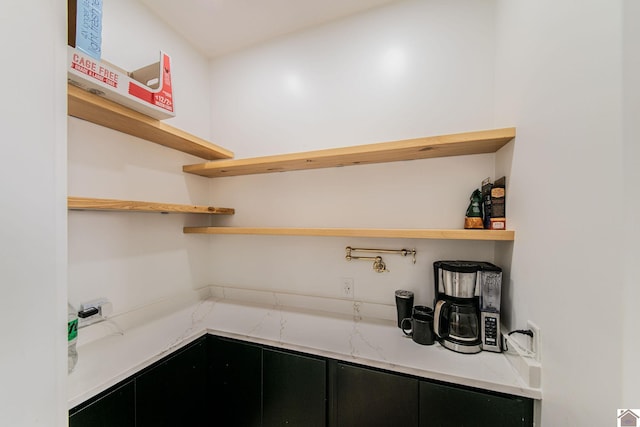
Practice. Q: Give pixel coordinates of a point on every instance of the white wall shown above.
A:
(552, 69)
(631, 129)
(416, 68)
(33, 233)
(558, 78)
(418, 194)
(396, 72)
(134, 259)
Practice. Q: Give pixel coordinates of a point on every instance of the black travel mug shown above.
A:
(404, 304)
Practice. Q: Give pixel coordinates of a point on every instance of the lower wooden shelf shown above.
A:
(405, 233)
(84, 203)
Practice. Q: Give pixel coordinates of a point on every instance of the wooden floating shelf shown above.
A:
(488, 141)
(101, 111)
(83, 203)
(444, 234)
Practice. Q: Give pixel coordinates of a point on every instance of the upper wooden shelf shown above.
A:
(404, 233)
(130, 205)
(101, 111)
(487, 141)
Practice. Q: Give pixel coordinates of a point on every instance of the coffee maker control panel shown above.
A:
(490, 331)
(490, 310)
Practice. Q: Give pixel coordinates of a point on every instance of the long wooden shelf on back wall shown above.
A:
(85, 203)
(397, 233)
(460, 144)
(101, 111)
(480, 142)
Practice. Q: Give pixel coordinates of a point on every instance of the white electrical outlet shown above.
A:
(346, 287)
(535, 339)
(96, 303)
(97, 310)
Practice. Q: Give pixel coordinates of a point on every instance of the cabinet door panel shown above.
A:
(444, 406)
(294, 390)
(235, 383)
(114, 409)
(172, 393)
(368, 398)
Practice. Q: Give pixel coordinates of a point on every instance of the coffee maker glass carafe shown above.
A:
(463, 322)
(456, 323)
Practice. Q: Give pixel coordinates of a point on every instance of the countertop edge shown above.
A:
(527, 392)
(150, 342)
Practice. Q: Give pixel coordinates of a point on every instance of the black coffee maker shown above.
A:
(467, 305)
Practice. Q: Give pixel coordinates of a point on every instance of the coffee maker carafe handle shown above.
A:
(441, 319)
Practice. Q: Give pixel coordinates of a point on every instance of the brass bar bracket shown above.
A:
(378, 264)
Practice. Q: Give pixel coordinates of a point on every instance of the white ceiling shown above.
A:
(216, 27)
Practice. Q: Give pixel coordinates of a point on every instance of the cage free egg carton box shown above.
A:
(147, 89)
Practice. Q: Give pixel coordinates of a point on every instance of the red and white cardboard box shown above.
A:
(147, 90)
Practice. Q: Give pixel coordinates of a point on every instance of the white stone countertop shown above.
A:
(119, 351)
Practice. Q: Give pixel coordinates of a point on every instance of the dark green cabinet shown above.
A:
(444, 406)
(172, 392)
(234, 383)
(363, 397)
(115, 408)
(293, 390)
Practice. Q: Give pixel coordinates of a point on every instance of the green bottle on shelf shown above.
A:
(473, 218)
(72, 337)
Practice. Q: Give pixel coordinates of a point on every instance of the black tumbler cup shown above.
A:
(404, 305)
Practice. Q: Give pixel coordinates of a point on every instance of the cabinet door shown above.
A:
(363, 397)
(116, 408)
(445, 406)
(234, 383)
(172, 393)
(294, 390)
